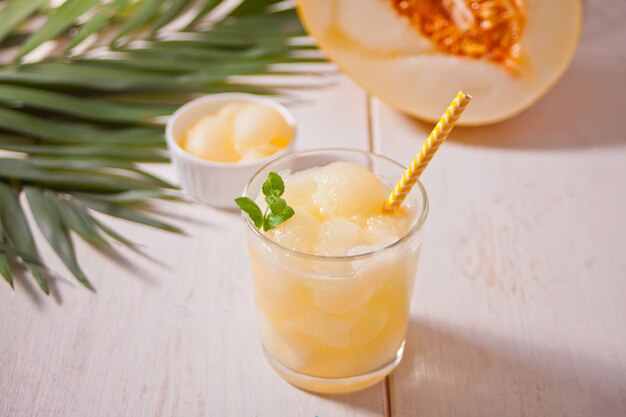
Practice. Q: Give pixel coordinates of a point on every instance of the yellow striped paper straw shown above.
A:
(421, 160)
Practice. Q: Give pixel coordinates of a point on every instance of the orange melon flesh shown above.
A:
(417, 54)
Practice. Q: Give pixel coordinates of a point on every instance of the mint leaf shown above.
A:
(253, 210)
(277, 210)
(274, 220)
(274, 185)
(280, 212)
(277, 204)
(288, 213)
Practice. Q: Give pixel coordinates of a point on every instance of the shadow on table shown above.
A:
(583, 110)
(26, 284)
(364, 400)
(458, 372)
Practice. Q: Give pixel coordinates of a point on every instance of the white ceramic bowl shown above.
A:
(216, 183)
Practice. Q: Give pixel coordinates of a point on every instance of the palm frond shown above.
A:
(84, 89)
(59, 20)
(92, 110)
(52, 226)
(5, 269)
(18, 233)
(14, 13)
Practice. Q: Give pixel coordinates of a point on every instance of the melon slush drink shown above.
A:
(333, 283)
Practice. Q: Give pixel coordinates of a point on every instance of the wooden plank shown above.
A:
(172, 333)
(519, 303)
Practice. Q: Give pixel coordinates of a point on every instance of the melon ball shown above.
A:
(230, 110)
(252, 155)
(373, 247)
(261, 152)
(255, 125)
(298, 233)
(346, 189)
(328, 329)
(210, 138)
(283, 343)
(299, 189)
(370, 325)
(337, 236)
(382, 227)
(394, 224)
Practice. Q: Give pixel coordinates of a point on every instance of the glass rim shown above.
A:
(417, 227)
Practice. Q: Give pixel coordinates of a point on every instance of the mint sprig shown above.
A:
(277, 210)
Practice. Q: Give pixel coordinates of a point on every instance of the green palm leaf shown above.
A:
(133, 196)
(15, 12)
(18, 232)
(147, 11)
(204, 10)
(98, 21)
(6, 249)
(254, 7)
(83, 108)
(65, 132)
(121, 212)
(70, 179)
(175, 8)
(113, 234)
(54, 230)
(77, 220)
(5, 269)
(61, 19)
(88, 75)
(74, 128)
(79, 154)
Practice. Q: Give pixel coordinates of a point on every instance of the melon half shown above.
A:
(417, 54)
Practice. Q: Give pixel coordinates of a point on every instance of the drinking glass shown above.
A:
(334, 324)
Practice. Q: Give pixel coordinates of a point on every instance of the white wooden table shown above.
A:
(519, 307)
